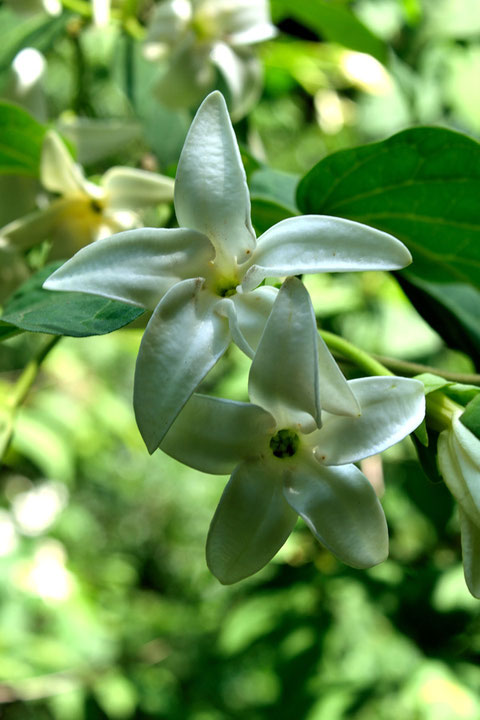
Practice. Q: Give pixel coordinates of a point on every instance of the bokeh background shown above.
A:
(107, 609)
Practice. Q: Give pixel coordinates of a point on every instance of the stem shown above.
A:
(359, 357)
(28, 376)
(410, 368)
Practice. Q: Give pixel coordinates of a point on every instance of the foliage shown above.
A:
(368, 113)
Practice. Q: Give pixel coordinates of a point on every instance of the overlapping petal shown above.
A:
(135, 266)
(470, 552)
(213, 435)
(188, 77)
(284, 374)
(459, 462)
(183, 340)
(132, 188)
(251, 523)
(243, 22)
(391, 408)
(243, 75)
(319, 243)
(58, 171)
(252, 311)
(35, 227)
(340, 507)
(211, 193)
(335, 393)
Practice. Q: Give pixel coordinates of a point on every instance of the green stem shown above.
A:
(359, 357)
(28, 376)
(410, 368)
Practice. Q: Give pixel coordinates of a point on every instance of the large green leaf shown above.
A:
(64, 313)
(421, 185)
(335, 23)
(21, 140)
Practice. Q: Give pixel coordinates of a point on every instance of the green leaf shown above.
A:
(471, 417)
(275, 185)
(462, 394)
(8, 331)
(21, 139)
(452, 309)
(335, 23)
(427, 455)
(421, 185)
(266, 213)
(432, 382)
(64, 313)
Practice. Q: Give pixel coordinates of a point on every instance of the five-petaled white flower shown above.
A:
(289, 456)
(459, 464)
(85, 211)
(202, 37)
(202, 279)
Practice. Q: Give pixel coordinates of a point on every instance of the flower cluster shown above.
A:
(84, 211)
(292, 448)
(200, 38)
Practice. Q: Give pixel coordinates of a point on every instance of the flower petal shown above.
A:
(213, 435)
(459, 463)
(132, 188)
(470, 553)
(136, 266)
(341, 509)
(211, 193)
(242, 22)
(243, 75)
(391, 408)
(58, 171)
(253, 310)
(251, 523)
(319, 243)
(188, 75)
(336, 395)
(183, 340)
(37, 226)
(168, 22)
(284, 374)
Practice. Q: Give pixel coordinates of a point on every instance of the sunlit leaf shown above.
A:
(64, 313)
(421, 185)
(21, 140)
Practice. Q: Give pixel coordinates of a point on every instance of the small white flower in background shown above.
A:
(459, 464)
(290, 457)
(84, 211)
(201, 279)
(200, 38)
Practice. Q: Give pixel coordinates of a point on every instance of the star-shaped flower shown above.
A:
(84, 211)
(202, 37)
(286, 462)
(202, 280)
(459, 464)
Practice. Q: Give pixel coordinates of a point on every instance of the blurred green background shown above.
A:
(107, 609)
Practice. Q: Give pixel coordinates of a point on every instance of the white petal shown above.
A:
(132, 188)
(459, 464)
(336, 395)
(136, 266)
(251, 523)
(227, 308)
(241, 22)
(391, 407)
(243, 75)
(37, 226)
(58, 172)
(319, 243)
(211, 193)
(253, 309)
(213, 435)
(168, 22)
(188, 77)
(471, 553)
(182, 342)
(284, 374)
(340, 507)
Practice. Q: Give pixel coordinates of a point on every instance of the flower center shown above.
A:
(285, 443)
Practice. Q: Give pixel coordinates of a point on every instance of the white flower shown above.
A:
(459, 464)
(84, 212)
(202, 37)
(201, 279)
(286, 462)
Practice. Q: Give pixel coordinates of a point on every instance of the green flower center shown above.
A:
(285, 443)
